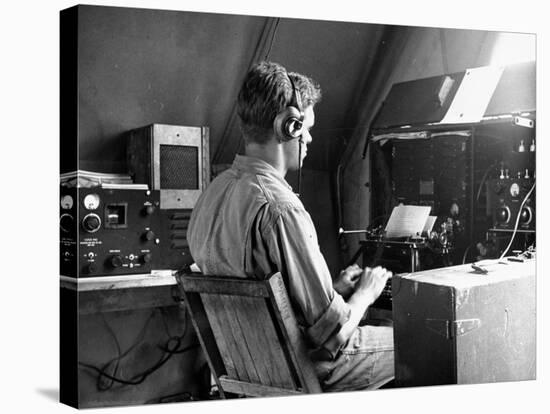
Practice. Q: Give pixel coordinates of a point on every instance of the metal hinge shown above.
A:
(451, 329)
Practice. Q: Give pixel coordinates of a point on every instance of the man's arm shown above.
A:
(369, 287)
(345, 282)
(328, 318)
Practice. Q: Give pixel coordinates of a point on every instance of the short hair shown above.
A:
(265, 92)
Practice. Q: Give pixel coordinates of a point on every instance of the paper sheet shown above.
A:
(473, 95)
(407, 221)
(429, 225)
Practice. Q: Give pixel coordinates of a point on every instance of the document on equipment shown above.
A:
(407, 221)
(429, 225)
(473, 95)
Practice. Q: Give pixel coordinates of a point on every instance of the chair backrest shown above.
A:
(250, 335)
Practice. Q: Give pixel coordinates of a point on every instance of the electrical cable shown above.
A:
(300, 141)
(517, 220)
(120, 355)
(484, 178)
(466, 253)
(168, 352)
(99, 384)
(339, 220)
(139, 378)
(165, 324)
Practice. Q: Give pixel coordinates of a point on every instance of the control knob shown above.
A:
(148, 235)
(502, 214)
(116, 260)
(526, 216)
(91, 268)
(66, 222)
(91, 223)
(148, 210)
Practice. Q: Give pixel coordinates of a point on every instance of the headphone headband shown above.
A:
(289, 122)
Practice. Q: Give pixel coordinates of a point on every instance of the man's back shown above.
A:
(222, 232)
(249, 223)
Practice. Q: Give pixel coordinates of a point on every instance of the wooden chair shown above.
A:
(249, 335)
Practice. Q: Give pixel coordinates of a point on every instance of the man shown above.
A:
(249, 223)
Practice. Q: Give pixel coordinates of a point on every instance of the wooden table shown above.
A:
(83, 303)
(117, 293)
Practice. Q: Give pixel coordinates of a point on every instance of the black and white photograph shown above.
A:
(278, 207)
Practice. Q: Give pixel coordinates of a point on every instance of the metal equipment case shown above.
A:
(175, 160)
(108, 231)
(459, 326)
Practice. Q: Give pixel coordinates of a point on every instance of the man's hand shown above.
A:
(373, 281)
(346, 281)
(365, 285)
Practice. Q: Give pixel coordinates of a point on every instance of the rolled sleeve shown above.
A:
(294, 247)
(330, 322)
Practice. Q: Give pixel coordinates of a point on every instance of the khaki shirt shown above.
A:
(248, 223)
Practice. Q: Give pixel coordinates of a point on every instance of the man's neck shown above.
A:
(270, 153)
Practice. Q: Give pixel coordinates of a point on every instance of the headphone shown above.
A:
(289, 122)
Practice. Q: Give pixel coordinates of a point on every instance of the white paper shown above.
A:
(407, 221)
(429, 224)
(473, 95)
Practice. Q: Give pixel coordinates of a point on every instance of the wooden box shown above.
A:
(458, 326)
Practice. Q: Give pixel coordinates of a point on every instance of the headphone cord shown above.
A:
(300, 166)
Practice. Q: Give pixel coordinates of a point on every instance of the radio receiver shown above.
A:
(108, 231)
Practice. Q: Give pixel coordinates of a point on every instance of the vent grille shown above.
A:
(179, 167)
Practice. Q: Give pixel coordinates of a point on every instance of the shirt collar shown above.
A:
(255, 165)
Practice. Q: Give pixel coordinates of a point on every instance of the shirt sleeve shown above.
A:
(323, 310)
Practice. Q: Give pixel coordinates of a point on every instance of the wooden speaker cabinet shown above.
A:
(175, 160)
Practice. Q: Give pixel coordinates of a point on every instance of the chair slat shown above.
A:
(205, 335)
(292, 334)
(255, 390)
(224, 285)
(262, 342)
(250, 334)
(229, 338)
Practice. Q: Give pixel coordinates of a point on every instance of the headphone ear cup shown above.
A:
(288, 124)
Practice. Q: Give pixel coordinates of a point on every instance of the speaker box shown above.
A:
(176, 161)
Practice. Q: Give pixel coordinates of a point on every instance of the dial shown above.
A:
(91, 223)
(116, 260)
(66, 202)
(526, 215)
(514, 190)
(66, 222)
(148, 235)
(503, 214)
(91, 201)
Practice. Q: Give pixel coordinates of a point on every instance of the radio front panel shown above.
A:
(105, 232)
(511, 203)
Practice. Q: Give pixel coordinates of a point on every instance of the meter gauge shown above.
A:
(514, 190)
(91, 201)
(66, 202)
